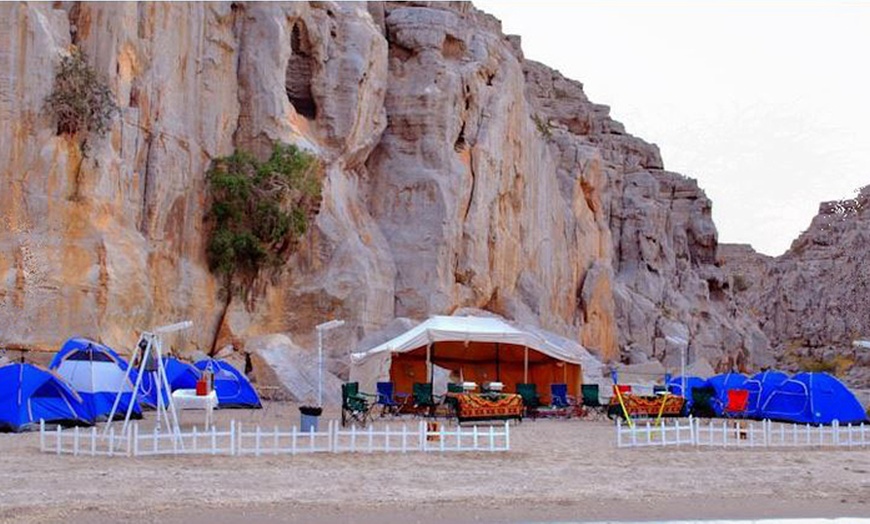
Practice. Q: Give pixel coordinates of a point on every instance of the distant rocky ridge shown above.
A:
(458, 174)
(813, 302)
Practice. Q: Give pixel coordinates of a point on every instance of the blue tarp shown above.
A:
(97, 374)
(232, 388)
(760, 387)
(29, 393)
(813, 398)
(722, 383)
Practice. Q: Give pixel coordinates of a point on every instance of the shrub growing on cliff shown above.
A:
(259, 210)
(80, 100)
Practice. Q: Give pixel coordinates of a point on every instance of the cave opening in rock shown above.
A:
(298, 75)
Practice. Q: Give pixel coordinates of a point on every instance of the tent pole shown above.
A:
(526, 365)
(497, 367)
(430, 369)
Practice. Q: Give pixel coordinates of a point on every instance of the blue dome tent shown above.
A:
(232, 388)
(722, 383)
(29, 393)
(97, 374)
(760, 387)
(180, 375)
(813, 398)
(675, 386)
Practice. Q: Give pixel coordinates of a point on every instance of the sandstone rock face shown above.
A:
(457, 174)
(812, 301)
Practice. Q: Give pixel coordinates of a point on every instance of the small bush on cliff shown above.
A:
(80, 100)
(259, 210)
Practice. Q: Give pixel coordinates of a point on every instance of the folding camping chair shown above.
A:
(450, 399)
(703, 402)
(531, 400)
(590, 399)
(423, 399)
(355, 406)
(736, 403)
(386, 400)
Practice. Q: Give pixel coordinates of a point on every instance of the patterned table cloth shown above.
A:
(488, 406)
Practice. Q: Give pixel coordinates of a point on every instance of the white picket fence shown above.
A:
(255, 440)
(739, 433)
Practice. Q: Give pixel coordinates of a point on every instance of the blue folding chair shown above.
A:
(563, 404)
(386, 400)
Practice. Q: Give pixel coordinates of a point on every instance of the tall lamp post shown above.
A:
(684, 345)
(326, 326)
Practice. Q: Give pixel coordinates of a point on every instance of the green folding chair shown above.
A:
(424, 400)
(355, 406)
(531, 399)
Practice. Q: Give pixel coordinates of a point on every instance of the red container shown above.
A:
(202, 387)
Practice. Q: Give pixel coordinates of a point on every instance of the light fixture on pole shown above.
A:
(684, 346)
(320, 329)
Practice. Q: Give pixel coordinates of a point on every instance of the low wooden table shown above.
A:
(488, 406)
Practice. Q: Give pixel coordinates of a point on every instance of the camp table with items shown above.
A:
(188, 399)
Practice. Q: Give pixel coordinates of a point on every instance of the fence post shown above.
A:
(421, 430)
(42, 435)
(136, 440)
(618, 432)
(475, 435)
(863, 440)
(112, 442)
(275, 441)
(129, 442)
(76, 441)
(353, 438)
(404, 438)
(507, 435)
(491, 439)
(293, 440)
(93, 441)
(57, 436)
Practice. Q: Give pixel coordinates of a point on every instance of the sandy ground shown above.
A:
(556, 471)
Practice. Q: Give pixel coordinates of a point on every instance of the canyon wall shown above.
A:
(812, 302)
(457, 174)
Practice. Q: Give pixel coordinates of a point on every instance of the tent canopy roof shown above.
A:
(480, 329)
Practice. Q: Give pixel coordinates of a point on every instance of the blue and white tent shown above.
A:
(675, 386)
(761, 386)
(181, 375)
(813, 398)
(29, 393)
(232, 388)
(722, 383)
(97, 374)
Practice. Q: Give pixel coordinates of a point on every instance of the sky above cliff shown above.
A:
(767, 105)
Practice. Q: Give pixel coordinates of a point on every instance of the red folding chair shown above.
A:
(736, 403)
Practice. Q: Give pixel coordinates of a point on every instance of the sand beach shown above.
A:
(557, 470)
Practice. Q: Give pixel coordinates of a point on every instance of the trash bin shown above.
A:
(310, 416)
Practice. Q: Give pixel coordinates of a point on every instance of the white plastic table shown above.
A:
(188, 399)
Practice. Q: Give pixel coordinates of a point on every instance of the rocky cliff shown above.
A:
(812, 301)
(457, 174)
